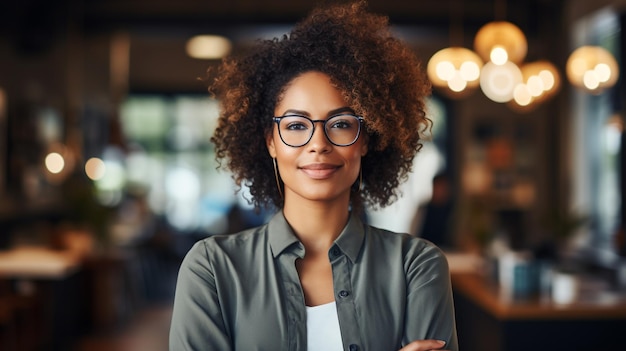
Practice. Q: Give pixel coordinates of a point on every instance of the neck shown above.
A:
(317, 224)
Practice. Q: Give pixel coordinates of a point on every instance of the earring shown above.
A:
(361, 178)
(360, 185)
(280, 191)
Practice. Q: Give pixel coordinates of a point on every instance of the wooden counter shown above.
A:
(487, 295)
(489, 320)
(37, 263)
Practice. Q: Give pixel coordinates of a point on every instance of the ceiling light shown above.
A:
(208, 47)
(540, 81)
(58, 163)
(498, 55)
(498, 82)
(592, 68)
(500, 41)
(455, 70)
(542, 76)
(522, 95)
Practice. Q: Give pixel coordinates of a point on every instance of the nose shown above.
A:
(319, 142)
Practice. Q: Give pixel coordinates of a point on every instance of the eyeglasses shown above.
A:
(340, 130)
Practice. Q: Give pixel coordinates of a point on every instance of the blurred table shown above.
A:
(489, 320)
(43, 293)
(37, 263)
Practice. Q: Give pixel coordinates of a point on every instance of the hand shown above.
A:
(424, 345)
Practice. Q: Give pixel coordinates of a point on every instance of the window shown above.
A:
(171, 157)
(596, 144)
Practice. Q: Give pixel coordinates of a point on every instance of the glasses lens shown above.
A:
(295, 130)
(343, 129)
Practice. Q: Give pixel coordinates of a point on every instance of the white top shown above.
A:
(323, 331)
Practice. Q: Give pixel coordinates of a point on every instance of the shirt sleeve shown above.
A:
(430, 306)
(197, 321)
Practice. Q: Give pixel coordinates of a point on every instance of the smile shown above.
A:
(319, 170)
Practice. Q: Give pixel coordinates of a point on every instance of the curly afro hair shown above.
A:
(379, 77)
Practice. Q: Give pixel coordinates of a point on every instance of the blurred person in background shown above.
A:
(436, 213)
(317, 124)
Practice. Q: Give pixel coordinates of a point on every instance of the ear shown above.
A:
(269, 142)
(364, 145)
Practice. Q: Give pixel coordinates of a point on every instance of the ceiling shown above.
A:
(194, 15)
(159, 28)
(21, 18)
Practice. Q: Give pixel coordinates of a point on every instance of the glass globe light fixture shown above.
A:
(501, 41)
(498, 82)
(592, 68)
(456, 70)
(540, 81)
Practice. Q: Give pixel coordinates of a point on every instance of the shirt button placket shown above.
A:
(347, 314)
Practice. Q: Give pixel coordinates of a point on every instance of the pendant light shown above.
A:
(498, 82)
(503, 46)
(208, 47)
(501, 41)
(592, 68)
(455, 70)
(497, 66)
(540, 81)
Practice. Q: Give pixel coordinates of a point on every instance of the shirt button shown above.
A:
(354, 347)
(344, 293)
(334, 252)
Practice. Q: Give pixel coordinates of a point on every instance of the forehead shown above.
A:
(312, 92)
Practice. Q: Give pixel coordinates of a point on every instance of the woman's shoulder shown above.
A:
(218, 254)
(397, 237)
(228, 243)
(247, 236)
(411, 245)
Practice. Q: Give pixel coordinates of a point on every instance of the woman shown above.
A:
(318, 124)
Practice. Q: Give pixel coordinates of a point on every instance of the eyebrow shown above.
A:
(330, 113)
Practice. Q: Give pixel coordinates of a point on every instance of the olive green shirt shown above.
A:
(242, 291)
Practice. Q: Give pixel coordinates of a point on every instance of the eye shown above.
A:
(295, 123)
(295, 126)
(342, 122)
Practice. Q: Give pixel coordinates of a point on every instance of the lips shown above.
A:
(319, 170)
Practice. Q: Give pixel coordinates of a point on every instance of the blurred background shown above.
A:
(107, 175)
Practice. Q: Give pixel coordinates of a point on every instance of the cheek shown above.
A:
(283, 152)
(354, 156)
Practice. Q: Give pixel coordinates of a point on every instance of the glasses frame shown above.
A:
(360, 119)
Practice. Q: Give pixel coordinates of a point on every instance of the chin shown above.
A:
(323, 196)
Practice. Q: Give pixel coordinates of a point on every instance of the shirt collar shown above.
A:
(350, 241)
(351, 238)
(280, 234)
